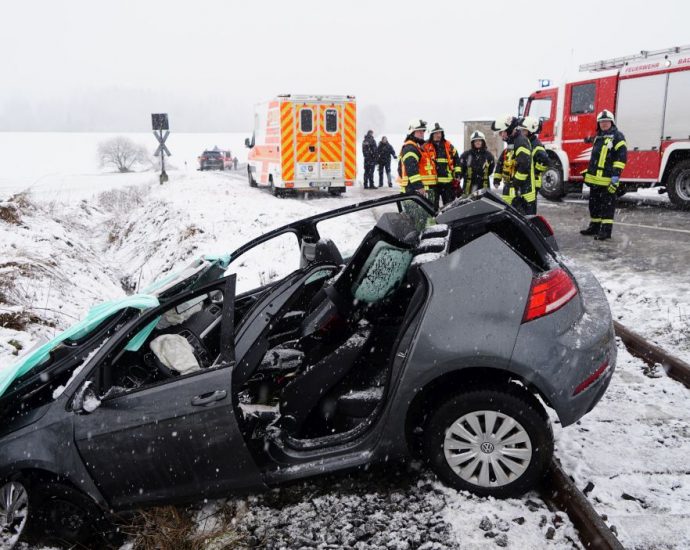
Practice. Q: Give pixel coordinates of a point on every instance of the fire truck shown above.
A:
(649, 93)
(303, 143)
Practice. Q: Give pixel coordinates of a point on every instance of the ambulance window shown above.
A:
(306, 121)
(582, 99)
(331, 121)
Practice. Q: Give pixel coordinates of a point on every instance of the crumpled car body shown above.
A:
(431, 338)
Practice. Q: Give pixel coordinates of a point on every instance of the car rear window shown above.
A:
(211, 153)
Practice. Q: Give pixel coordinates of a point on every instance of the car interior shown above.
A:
(320, 371)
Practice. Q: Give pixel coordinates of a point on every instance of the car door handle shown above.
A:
(208, 398)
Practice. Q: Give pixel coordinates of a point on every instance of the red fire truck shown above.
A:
(650, 96)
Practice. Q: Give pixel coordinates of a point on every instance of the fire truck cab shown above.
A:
(649, 95)
(303, 143)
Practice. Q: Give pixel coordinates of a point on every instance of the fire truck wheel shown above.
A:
(552, 183)
(678, 185)
(252, 181)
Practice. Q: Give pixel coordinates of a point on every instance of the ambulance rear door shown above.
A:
(331, 143)
(306, 142)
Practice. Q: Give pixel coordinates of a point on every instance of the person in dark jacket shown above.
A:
(476, 165)
(384, 154)
(529, 126)
(369, 152)
(514, 165)
(609, 155)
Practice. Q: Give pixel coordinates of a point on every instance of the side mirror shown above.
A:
(521, 106)
(249, 144)
(85, 400)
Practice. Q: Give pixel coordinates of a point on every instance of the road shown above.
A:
(647, 236)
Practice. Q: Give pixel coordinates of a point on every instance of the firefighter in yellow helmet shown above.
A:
(446, 165)
(609, 154)
(514, 164)
(530, 126)
(413, 161)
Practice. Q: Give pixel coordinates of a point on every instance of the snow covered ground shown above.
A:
(83, 235)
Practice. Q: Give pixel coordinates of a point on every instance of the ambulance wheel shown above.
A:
(678, 185)
(252, 181)
(552, 183)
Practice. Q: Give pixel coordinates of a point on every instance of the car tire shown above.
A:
(252, 181)
(51, 512)
(678, 185)
(552, 185)
(494, 462)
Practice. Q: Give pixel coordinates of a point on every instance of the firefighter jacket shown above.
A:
(476, 165)
(514, 168)
(409, 161)
(609, 154)
(540, 160)
(446, 159)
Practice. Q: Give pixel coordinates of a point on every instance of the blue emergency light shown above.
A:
(544, 83)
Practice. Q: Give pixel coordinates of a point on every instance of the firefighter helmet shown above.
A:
(504, 123)
(416, 124)
(530, 124)
(606, 115)
(477, 135)
(436, 128)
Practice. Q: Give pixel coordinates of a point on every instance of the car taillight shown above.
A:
(549, 292)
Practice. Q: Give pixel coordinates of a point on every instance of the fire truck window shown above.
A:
(582, 99)
(331, 121)
(306, 121)
(540, 108)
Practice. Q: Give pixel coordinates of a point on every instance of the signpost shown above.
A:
(159, 122)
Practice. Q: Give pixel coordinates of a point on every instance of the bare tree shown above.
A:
(122, 153)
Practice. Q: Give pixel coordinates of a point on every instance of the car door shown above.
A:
(172, 440)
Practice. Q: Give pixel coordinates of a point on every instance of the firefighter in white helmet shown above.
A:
(514, 164)
(446, 163)
(530, 127)
(609, 154)
(413, 162)
(476, 165)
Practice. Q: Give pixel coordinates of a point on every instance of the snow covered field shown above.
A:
(83, 235)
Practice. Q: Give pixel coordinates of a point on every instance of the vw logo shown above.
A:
(487, 447)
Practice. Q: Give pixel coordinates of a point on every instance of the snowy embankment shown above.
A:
(57, 259)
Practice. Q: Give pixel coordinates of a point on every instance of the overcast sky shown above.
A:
(93, 65)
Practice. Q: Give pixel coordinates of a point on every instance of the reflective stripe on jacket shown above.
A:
(609, 154)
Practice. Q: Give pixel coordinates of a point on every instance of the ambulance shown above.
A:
(303, 143)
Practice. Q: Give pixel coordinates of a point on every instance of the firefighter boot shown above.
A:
(593, 229)
(604, 232)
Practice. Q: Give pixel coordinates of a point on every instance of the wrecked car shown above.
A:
(375, 331)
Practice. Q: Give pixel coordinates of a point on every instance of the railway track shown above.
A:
(559, 489)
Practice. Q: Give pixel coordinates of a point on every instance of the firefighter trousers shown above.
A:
(369, 168)
(602, 206)
(443, 193)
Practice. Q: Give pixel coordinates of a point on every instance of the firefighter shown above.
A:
(514, 164)
(530, 126)
(447, 165)
(412, 159)
(609, 154)
(476, 165)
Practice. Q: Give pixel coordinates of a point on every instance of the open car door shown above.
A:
(171, 437)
